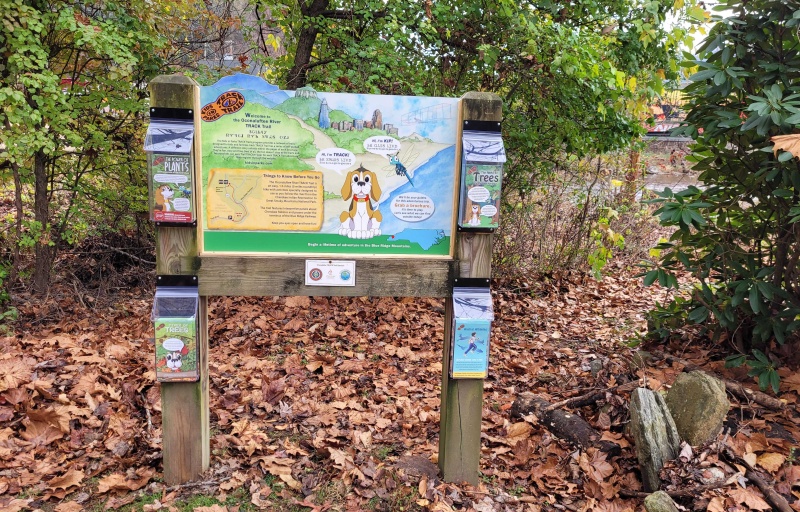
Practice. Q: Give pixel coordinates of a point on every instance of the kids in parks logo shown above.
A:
(226, 103)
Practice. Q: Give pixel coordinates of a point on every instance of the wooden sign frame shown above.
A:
(185, 406)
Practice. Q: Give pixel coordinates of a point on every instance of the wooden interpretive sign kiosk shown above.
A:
(318, 194)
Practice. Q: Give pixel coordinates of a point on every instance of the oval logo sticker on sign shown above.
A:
(226, 103)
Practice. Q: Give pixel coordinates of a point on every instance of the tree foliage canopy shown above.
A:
(72, 86)
(575, 77)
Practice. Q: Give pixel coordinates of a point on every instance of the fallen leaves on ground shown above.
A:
(333, 404)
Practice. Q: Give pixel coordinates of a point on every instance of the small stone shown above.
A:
(660, 502)
(698, 403)
(654, 433)
(595, 367)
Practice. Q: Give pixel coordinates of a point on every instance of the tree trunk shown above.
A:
(20, 212)
(298, 75)
(44, 252)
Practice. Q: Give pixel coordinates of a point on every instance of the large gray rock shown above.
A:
(654, 433)
(698, 404)
(660, 502)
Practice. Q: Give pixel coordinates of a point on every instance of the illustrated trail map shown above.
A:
(322, 173)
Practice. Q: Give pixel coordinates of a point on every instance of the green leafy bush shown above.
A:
(738, 236)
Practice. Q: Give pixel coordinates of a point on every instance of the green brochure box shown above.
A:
(176, 334)
(481, 176)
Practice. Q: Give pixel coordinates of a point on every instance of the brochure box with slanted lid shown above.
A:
(176, 333)
(472, 321)
(481, 176)
(168, 144)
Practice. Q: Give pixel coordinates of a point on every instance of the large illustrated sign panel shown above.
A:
(325, 173)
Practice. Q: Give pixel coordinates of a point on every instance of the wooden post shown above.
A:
(184, 405)
(462, 399)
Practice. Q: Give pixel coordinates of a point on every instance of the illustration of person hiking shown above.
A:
(472, 345)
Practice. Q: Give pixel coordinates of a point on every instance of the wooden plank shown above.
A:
(184, 406)
(176, 251)
(462, 399)
(268, 276)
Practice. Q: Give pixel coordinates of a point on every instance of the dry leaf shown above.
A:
(523, 451)
(295, 324)
(119, 482)
(518, 432)
(6, 414)
(790, 143)
(71, 478)
(58, 417)
(289, 480)
(298, 302)
(16, 505)
(212, 508)
(594, 464)
(116, 502)
(15, 396)
(40, 433)
(69, 506)
(259, 495)
(770, 461)
(273, 391)
(276, 466)
(236, 480)
(314, 507)
(406, 353)
(14, 373)
(749, 499)
(792, 381)
(340, 458)
(716, 504)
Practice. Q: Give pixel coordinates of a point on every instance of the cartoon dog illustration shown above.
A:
(174, 361)
(361, 220)
(164, 195)
(475, 220)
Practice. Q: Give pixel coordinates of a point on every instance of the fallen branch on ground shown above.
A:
(592, 397)
(689, 492)
(565, 425)
(202, 483)
(777, 501)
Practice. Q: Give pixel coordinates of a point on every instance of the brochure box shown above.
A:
(469, 344)
(481, 176)
(168, 144)
(176, 333)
